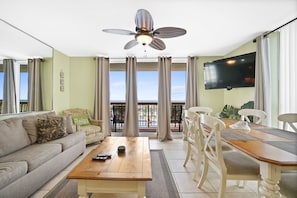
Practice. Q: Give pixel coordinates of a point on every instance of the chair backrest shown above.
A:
(259, 116)
(192, 122)
(211, 131)
(288, 119)
(201, 110)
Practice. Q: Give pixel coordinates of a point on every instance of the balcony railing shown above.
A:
(147, 116)
(23, 106)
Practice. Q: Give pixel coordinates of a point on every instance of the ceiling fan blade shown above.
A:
(144, 20)
(130, 44)
(169, 32)
(119, 31)
(157, 44)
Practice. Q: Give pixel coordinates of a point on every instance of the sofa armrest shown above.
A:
(97, 122)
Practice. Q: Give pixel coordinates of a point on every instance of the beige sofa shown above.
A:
(84, 122)
(34, 147)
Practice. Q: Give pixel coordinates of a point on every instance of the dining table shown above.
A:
(274, 149)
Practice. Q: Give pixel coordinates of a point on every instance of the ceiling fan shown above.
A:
(145, 33)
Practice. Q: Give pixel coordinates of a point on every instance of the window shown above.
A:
(178, 81)
(147, 86)
(24, 83)
(117, 85)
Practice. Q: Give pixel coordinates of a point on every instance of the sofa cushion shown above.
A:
(50, 129)
(70, 127)
(69, 140)
(81, 120)
(13, 136)
(35, 155)
(11, 171)
(91, 129)
(30, 124)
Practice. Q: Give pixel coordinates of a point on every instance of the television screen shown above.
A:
(238, 71)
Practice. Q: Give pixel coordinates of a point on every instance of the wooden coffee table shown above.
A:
(123, 173)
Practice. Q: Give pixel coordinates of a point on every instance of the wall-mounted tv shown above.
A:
(233, 72)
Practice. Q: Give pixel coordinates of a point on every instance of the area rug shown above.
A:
(162, 185)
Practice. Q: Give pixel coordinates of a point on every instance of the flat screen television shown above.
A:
(228, 73)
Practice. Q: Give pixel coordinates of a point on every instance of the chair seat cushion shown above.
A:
(90, 129)
(238, 164)
(11, 171)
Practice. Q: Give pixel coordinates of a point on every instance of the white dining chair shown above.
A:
(200, 109)
(259, 116)
(194, 147)
(288, 119)
(230, 165)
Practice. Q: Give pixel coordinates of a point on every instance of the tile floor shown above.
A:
(175, 152)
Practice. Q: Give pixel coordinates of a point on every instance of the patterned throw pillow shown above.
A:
(81, 120)
(50, 129)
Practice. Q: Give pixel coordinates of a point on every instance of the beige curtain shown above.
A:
(288, 69)
(262, 79)
(192, 94)
(34, 85)
(102, 103)
(10, 99)
(164, 98)
(131, 113)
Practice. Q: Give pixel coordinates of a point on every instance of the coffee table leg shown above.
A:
(141, 189)
(270, 175)
(81, 189)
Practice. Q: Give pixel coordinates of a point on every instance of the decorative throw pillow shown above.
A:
(31, 127)
(70, 127)
(50, 129)
(81, 120)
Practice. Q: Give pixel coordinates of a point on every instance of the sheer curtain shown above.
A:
(10, 103)
(288, 69)
(192, 94)
(131, 113)
(262, 78)
(164, 98)
(102, 103)
(34, 86)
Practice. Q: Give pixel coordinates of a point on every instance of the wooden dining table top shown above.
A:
(263, 143)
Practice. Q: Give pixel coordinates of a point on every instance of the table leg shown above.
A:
(141, 189)
(270, 176)
(81, 189)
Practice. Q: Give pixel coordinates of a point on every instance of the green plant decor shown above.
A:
(230, 112)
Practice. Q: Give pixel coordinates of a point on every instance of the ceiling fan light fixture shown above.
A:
(144, 38)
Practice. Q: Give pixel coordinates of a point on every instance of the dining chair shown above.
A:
(288, 119)
(192, 123)
(258, 116)
(200, 109)
(230, 165)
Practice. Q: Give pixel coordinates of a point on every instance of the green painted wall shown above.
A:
(61, 64)
(82, 82)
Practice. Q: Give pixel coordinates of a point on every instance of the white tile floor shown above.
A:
(175, 152)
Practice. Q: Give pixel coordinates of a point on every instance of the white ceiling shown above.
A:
(74, 27)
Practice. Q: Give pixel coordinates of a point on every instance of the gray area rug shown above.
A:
(162, 185)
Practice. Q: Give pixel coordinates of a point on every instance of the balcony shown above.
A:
(23, 106)
(147, 116)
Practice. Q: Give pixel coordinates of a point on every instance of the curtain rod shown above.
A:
(279, 27)
(266, 34)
